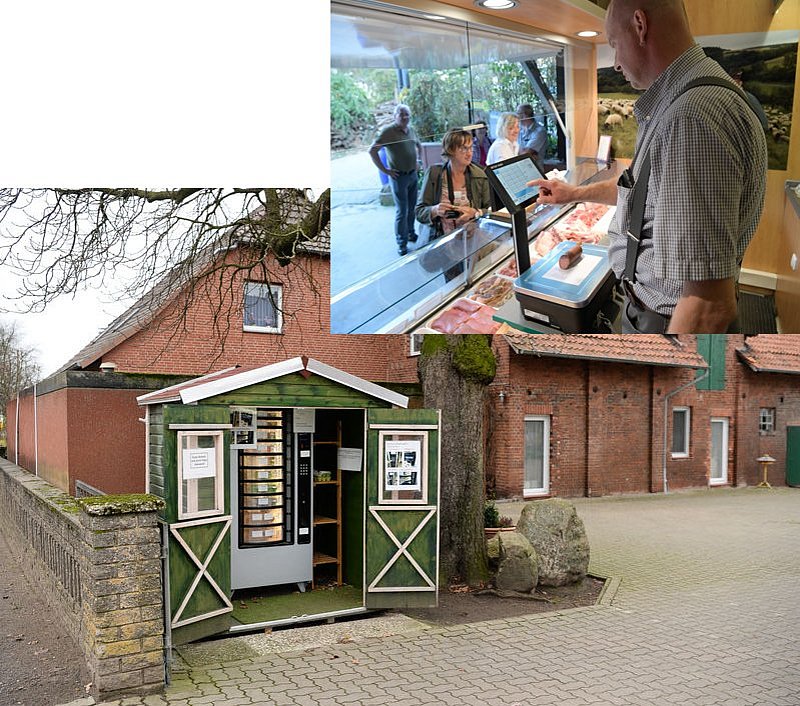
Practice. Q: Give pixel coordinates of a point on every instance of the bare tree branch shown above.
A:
(155, 243)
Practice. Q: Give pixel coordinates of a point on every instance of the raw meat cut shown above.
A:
(493, 291)
(466, 316)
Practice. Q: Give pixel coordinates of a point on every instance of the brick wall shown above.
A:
(97, 561)
(773, 390)
(306, 331)
(607, 423)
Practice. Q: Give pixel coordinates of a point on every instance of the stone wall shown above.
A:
(97, 561)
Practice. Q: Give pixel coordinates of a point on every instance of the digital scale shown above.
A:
(567, 300)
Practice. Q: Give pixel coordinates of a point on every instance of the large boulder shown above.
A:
(514, 561)
(559, 538)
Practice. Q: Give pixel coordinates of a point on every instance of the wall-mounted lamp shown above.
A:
(502, 396)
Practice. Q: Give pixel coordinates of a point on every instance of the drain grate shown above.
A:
(757, 313)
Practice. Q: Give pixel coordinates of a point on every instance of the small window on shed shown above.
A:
(766, 420)
(200, 474)
(263, 307)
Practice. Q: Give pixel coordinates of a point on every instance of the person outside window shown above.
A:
(505, 146)
(532, 135)
(404, 152)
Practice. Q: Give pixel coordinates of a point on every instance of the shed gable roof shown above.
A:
(772, 353)
(231, 379)
(636, 349)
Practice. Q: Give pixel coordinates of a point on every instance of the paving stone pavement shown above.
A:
(706, 611)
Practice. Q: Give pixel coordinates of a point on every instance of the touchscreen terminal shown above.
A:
(509, 179)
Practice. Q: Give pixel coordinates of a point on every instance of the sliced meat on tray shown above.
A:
(466, 316)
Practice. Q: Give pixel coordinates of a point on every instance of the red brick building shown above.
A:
(585, 415)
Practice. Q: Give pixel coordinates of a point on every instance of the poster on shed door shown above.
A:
(763, 64)
(402, 465)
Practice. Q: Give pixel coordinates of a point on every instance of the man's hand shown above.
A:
(707, 306)
(555, 191)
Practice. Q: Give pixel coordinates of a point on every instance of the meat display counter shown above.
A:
(459, 283)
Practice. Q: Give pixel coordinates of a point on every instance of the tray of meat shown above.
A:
(466, 316)
(510, 270)
(493, 291)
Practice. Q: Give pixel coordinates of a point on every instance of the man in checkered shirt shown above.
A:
(706, 188)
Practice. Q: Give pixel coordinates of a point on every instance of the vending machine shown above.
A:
(271, 498)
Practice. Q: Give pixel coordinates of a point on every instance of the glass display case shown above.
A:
(264, 483)
(403, 295)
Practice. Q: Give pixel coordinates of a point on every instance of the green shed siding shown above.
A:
(155, 452)
(712, 347)
(187, 414)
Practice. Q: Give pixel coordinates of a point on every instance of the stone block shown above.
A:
(137, 535)
(102, 538)
(143, 660)
(118, 618)
(557, 534)
(139, 630)
(142, 599)
(518, 566)
(150, 644)
(121, 648)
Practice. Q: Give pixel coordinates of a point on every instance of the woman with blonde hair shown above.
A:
(505, 146)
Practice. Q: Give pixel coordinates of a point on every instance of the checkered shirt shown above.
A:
(706, 190)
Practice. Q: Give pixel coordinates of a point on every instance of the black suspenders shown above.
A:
(639, 195)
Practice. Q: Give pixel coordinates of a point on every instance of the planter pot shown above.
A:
(492, 531)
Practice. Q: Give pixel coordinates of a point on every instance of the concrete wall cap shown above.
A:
(120, 504)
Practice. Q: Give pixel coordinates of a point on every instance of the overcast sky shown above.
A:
(154, 93)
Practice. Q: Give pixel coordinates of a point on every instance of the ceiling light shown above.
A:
(496, 4)
(434, 17)
(588, 33)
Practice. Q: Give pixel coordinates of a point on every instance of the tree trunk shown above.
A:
(455, 371)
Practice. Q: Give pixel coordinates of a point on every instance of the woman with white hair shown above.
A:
(505, 146)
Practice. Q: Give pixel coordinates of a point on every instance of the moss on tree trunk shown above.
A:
(454, 371)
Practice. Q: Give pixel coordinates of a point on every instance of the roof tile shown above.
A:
(648, 349)
(772, 353)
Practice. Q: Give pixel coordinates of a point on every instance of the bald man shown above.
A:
(706, 187)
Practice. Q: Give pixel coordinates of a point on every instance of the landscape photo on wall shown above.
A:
(765, 63)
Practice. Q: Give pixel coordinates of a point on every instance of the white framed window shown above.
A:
(719, 451)
(681, 426)
(766, 420)
(263, 307)
(415, 344)
(537, 456)
(201, 474)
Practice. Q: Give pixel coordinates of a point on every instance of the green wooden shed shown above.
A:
(292, 489)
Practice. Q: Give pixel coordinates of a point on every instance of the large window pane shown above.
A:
(536, 454)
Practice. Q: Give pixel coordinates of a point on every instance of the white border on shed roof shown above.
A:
(203, 387)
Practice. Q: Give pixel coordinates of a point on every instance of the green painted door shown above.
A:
(197, 445)
(793, 456)
(402, 521)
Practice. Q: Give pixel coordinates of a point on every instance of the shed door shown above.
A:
(198, 533)
(402, 496)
